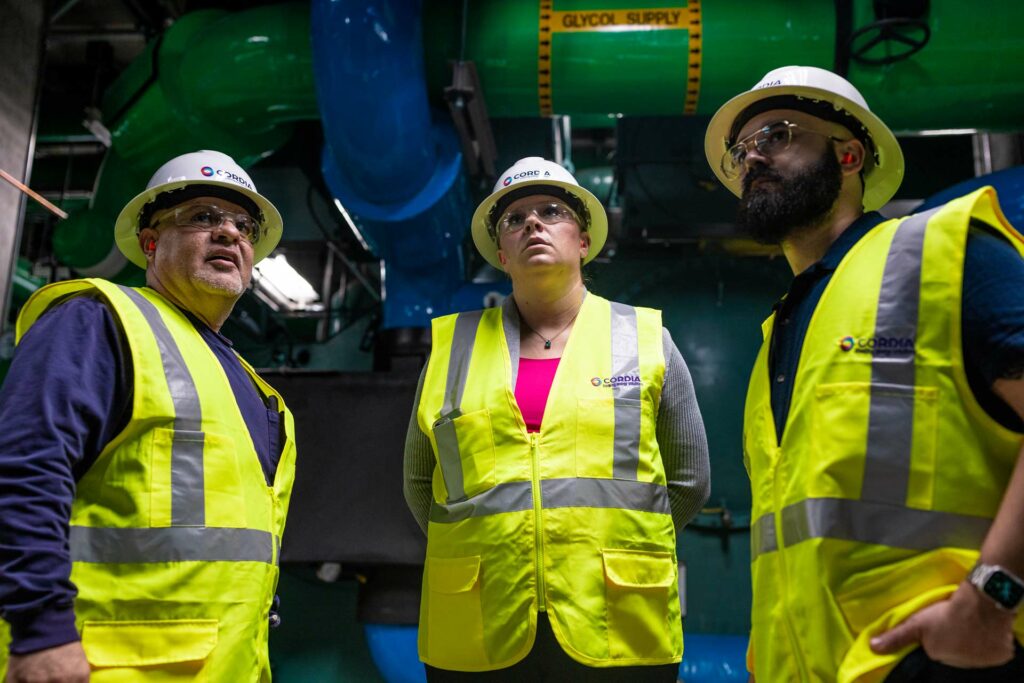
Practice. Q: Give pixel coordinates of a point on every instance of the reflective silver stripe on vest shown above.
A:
(171, 544)
(450, 461)
(604, 493)
(626, 373)
(762, 536)
(188, 506)
(895, 526)
(891, 415)
(515, 496)
(510, 325)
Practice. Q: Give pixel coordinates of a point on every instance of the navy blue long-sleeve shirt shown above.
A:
(67, 394)
(992, 318)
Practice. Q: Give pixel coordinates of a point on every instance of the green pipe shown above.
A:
(600, 74)
(228, 81)
(235, 82)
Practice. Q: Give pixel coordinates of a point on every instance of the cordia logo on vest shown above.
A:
(878, 346)
(616, 381)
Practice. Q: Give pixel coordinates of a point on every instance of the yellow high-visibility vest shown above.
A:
(175, 534)
(889, 472)
(573, 519)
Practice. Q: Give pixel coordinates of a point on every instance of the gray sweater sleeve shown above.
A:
(679, 430)
(681, 439)
(418, 465)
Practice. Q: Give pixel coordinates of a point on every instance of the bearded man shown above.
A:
(883, 422)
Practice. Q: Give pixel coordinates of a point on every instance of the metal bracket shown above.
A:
(469, 113)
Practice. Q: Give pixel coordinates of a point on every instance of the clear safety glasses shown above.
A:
(549, 213)
(772, 139)
(211, 217)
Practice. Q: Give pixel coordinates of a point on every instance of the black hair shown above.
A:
(166, 200)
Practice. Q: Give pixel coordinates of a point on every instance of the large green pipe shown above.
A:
(235, 81)
(232, 82)
(967, 76)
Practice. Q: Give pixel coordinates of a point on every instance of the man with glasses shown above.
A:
(145, 467)
(883, 422)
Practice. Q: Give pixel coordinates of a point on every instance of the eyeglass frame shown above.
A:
(221, 213)
(746, 142)
(498, 230)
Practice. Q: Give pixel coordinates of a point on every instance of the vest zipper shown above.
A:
(538, 523)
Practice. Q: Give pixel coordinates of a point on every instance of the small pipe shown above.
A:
(32, 193)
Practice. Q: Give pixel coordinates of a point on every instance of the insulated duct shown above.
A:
(389, 158)
(214, 80)
(234, 82)
(601, 59)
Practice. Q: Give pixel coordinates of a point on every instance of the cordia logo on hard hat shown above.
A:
(209, 171)
(524, 175)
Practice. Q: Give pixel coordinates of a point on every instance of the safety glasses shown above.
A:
(770, 140)
(210, 217)
(549, 213)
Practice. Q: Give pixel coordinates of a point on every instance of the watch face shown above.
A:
(1004, 590)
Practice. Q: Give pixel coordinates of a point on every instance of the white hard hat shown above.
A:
(817, 87)
(215, 170)
(534, 175)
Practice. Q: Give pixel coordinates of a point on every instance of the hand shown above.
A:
(62, 664)
(966, 631)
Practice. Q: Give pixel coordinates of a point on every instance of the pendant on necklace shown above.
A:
(547, 343)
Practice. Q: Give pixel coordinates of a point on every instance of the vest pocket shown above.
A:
(637, 593)
(608, 436)
(465, 453)
(454, 614)
(874, 441)
(196, 480)
(129, 651)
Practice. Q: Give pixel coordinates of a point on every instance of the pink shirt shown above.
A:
(533, 384)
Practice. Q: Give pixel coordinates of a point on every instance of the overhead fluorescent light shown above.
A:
(279, 282)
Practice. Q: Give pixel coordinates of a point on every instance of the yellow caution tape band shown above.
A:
(620, 20)
(684, 18)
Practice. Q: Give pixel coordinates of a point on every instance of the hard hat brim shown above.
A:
(880, 182)
(597, 229)
(126, 230)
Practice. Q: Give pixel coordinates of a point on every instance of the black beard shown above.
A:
(771, 213)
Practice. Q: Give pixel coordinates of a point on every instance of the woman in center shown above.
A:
(554, 453)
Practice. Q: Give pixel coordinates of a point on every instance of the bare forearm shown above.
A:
(1004, 544)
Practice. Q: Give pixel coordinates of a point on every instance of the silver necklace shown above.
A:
(547, 342)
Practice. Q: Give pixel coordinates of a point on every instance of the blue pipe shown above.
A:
(388, 158)
(708, 658)
(1008, 183)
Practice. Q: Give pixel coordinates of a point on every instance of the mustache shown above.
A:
(758, 173)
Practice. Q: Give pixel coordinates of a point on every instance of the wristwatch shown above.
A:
(1001, 585)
